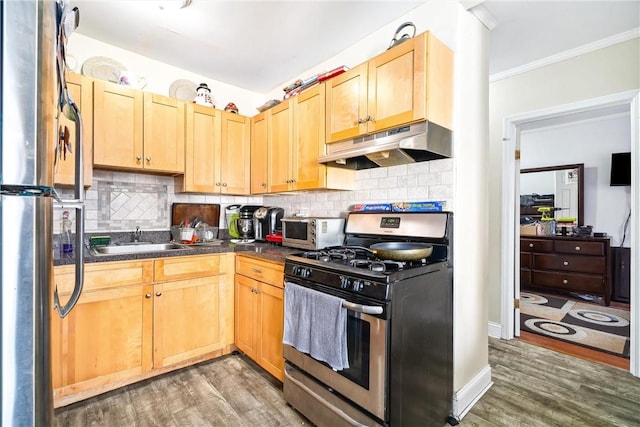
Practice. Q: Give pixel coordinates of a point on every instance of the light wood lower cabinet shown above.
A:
(259, 317)
(137, 319)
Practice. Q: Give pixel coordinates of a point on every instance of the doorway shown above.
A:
(514, 126)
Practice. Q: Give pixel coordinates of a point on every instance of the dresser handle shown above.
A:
(577, 248)
(565, 281)
(565, 263)
(530, 245)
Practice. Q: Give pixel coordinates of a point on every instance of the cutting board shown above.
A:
(210, 213)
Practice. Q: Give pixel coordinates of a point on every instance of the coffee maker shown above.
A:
(244, 223)
(267, 220)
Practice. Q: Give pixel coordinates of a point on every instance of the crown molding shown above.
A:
(606, 42)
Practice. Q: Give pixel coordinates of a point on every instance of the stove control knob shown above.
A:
(306, 272)
(357, 285)
(344, 282)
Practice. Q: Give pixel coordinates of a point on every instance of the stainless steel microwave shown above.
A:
(312, 233)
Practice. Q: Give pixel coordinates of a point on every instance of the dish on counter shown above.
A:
(183, 89)
(103, 68)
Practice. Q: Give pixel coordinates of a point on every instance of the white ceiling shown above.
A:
(257, 45)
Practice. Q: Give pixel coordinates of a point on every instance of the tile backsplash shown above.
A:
(120, 201)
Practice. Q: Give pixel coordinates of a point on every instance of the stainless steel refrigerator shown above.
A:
(34, 94)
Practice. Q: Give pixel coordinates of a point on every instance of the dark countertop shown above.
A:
(265, 251)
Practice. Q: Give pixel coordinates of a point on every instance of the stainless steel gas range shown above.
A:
(399, 325)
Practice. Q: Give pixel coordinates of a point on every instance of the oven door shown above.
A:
(364, 382)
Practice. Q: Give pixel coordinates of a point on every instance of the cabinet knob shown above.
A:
(264, 184)
(565, 263)
(148, 158)
(224, 184)
(369, 119)
(138, 157)
(565, 281)
(530, 245)
(147, 295)
(217, 184)
(577, 248)
(158, 294)
(360, 121)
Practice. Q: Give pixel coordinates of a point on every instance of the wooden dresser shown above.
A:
(568, 264)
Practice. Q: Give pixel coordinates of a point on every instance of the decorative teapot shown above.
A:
(203, 96)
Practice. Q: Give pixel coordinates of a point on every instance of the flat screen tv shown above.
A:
(620, 169)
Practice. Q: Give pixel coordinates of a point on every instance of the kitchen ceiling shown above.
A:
(258, 45)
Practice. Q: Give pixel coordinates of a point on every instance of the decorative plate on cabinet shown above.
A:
(103, 68)
(183, 89)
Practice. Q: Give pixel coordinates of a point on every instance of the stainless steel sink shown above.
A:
(138, 248)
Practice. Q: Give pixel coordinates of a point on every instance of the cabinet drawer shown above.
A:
(574, 282)
(525, 259)
(580, 264)
(190, 267)
(535, 245)
(263, 271)
(525, 277)
(104, 275)
(580, 247)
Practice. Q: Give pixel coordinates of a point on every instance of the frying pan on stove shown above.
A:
(402, 251)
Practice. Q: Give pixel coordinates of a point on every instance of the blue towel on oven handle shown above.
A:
(316, 323)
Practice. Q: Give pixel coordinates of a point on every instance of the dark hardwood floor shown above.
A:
(533, 386)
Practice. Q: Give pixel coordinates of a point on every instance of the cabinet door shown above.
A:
(396, 93)
(259, 161)
(347, 104)
(105, 339)
(280, 140)
(186, 319)
(271, 328)
(246, 315)
(117, 126)
(309, 118)
(202, 146)
(235, 158)
(81, 90)
(163, 133)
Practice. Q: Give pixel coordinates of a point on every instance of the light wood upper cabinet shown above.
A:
(235, 154)
(296, 138)
(259, 159)
(117, 126)
(81, 90)
(217, 152)
(163, 133)
(409, 83)
(137, 130)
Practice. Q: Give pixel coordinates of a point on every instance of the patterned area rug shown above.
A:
(598, 327)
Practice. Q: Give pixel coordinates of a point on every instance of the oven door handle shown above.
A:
(359, 308)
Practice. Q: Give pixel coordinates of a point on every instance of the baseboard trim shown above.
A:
(495, 330)
(467, 396)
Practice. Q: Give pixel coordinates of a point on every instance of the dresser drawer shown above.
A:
(568, 281)
(535, 245)
(262, 271)
(580, 247)
(525, 260)
(580, 264)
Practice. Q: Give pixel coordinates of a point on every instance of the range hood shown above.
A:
(407, 144)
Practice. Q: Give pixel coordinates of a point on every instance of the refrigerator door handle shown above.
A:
(79, 283)
(79, 207)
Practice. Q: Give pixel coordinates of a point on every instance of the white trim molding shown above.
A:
(563, 56)
(495, 330)
(467, 396)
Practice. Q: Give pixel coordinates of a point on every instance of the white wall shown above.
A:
(605, 71)
(591, 143)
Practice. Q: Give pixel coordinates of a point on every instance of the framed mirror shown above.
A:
(560, 188)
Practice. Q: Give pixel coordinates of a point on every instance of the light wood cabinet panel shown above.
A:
(177, 268)
(81, 91)
(259, 150)
(202, 144)
(186, 319)
(163, 133)
(235, 154)
(102, 275)
(410, 83)
(280, 140)
(118, 126)
(260, 312)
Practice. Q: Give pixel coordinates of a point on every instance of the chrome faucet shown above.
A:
(136, 234)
